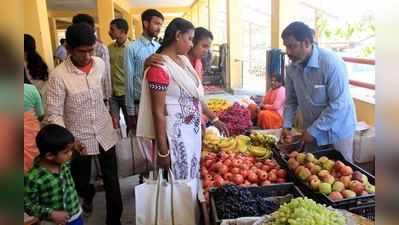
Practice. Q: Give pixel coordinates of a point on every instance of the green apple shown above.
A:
(325, 188)
(338, 186)
(301, 158)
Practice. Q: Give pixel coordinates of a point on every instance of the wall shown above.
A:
(365, 111)
(36, 23)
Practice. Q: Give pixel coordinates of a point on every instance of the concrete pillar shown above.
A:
(138, 27)
(129, 18)
(234, 40)
(275, 24)
(53, 33)
(36, 23)
(105, 14)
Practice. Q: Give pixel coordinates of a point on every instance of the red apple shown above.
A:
(252, 177)
(282, 173)
(336, 196)
(238, 179)
(235, 170)
(228, 176)
(348, 193)
(272, 177)
(346, 171)
(280, 180)
(323, 173)
(293, 164)
(357, 187)
(316, 169)
(266, 168)
(309, 165)
(293, 154)
(328, 179)
(265, 183)
(262, 175)
(338, 165)
(346, 180)
(312, 177)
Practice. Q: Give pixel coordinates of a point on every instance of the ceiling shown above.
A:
(160, 3)
(71, 4)
(89, 4)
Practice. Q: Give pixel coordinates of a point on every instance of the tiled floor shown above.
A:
(127, 190)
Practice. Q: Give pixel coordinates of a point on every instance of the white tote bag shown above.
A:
(161, 202)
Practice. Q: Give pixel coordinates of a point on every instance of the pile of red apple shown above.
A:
(329, 177)
(222, 168)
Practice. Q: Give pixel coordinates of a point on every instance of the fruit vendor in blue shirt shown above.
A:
(317, 84)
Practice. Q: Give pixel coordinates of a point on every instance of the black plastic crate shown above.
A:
(362, 205)
(272, 190)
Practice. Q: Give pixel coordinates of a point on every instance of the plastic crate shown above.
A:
(264, 191)
(362, 205)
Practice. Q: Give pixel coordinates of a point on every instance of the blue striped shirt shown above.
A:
(321, 91)
(135, 55)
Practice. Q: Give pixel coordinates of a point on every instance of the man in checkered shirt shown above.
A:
(75, 101)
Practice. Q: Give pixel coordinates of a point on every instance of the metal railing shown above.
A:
(363, 62)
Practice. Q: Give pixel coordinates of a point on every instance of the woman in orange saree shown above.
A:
(270, 114)
(33, 110)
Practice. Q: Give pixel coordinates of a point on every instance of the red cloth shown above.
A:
(157, 75)
(158, 79)
(274, 100)
(268, 119)
(197, 64)
(31, 128)
(271, 116)
(86, 69)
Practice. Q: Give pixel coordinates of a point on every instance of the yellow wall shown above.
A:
(365, 111)
(235, 44)
(36, 23)
(105, 14)
(68, 14)
(194, 14)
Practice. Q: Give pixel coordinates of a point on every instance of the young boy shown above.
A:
(50, 191)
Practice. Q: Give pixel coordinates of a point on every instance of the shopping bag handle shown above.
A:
(160, 180)
(171, 180)
(159, 183)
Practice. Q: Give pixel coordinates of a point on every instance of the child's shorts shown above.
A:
(77, 221)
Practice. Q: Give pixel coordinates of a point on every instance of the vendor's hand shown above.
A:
(132, 122)
(79, 147)
(59, 217)
(115, 121)
(307, 138)
(222, 128)
(163, 162)
(286, 135)
(154, 60)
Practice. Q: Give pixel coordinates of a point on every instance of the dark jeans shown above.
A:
(81, 172)
(118, 103)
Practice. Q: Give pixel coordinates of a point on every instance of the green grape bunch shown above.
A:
(304, 211)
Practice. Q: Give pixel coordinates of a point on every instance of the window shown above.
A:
(351, 33)
(256, 23)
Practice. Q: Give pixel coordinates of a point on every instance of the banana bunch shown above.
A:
(243, 144)
(218, 104)
(228, 144)
(259, 139)
(260, 152)
(211, 142)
